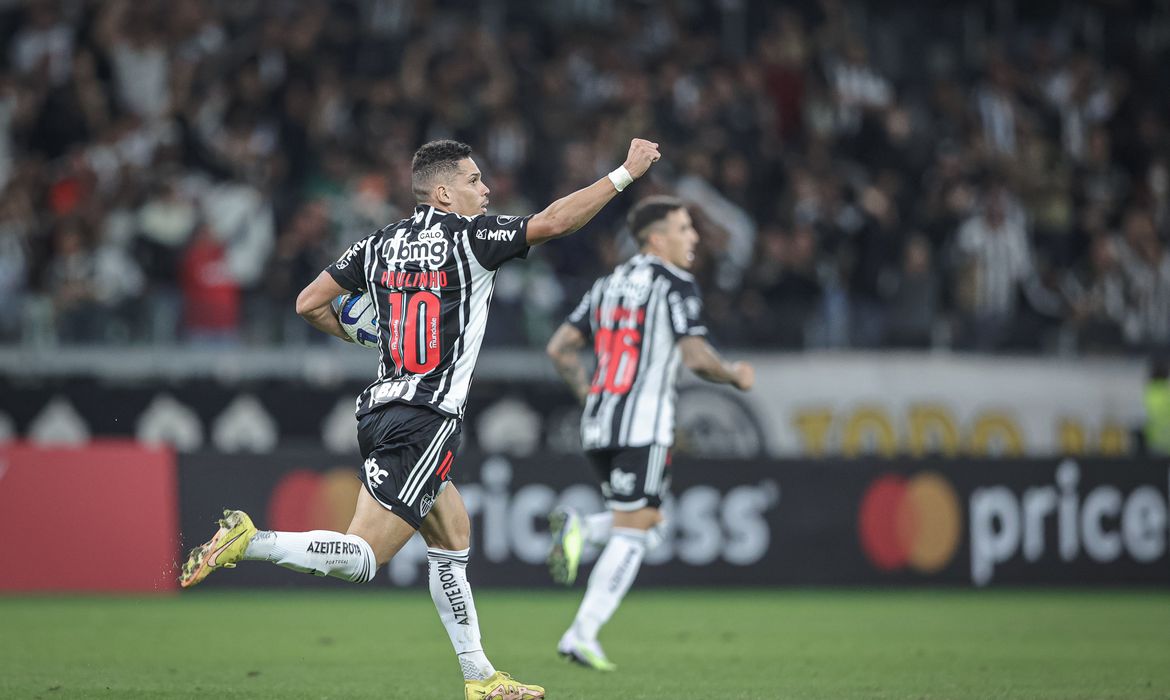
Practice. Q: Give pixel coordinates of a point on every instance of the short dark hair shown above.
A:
(434, 159)
(650, 211)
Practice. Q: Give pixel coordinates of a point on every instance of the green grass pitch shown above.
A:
(839, 644)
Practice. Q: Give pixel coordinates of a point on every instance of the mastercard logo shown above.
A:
(308, 500)
(910, 522)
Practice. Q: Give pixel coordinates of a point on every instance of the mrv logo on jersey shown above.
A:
(499, 235)
(1105, 523)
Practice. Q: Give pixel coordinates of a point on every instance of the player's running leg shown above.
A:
(596, 528)
(447, 532)
(612, 576)
(375, 535)
(569, 531)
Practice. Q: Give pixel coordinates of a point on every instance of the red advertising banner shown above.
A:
(101, 517)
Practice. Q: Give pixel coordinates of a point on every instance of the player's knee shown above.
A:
(641, 519)
(365, 567)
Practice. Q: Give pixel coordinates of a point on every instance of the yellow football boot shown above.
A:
(225, 548)
(502, 686)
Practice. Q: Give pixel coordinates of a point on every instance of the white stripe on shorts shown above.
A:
(418, 475)
(654, 469)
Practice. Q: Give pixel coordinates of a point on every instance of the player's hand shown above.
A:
(642, 155)
(745, 375)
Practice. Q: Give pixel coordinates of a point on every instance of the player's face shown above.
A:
(678, 239)
(468, 193)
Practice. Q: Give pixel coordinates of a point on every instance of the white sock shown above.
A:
(656, 536)
(611, 578)
(598, 526)
(319, 552)
(452, 596)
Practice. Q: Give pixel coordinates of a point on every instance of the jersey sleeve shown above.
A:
(579, 318)
(686, 309)
(497, 239)
(348, 270)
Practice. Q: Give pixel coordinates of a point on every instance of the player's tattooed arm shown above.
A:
(705, 362)
(314, 304)
(565, 350)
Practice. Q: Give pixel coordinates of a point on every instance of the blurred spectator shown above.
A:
(131, 36)
(994, 261)
(785, 57)
(1158, 187)
(70, 277)
(874, 251)
(42, 48)
(790, 291)
(998, 109)
(858, 89)
(302, 251)
(734, 250)
(165, 223)
(1147, 269)
(913, 297)
(1084, 100)
(1097, 294)
(15, 224)
(211, 296)
(118, 280)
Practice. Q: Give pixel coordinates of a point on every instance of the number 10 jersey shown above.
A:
(430, 278)
(634, 318)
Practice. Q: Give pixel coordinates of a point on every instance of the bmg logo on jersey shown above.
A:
(635, 288)
(429, 249)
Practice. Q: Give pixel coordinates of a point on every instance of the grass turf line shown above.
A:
(840, 644)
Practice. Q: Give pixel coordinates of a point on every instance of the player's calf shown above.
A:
(317, 552)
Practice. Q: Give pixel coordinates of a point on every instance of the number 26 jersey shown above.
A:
(634, 318)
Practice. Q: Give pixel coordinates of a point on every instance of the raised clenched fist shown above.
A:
(642, 154)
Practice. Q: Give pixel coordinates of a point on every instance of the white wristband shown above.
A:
(621, 178)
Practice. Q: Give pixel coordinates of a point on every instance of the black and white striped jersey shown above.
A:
(634, 317)
(431, 278)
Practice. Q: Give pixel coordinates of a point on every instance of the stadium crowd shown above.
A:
(863, 175)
